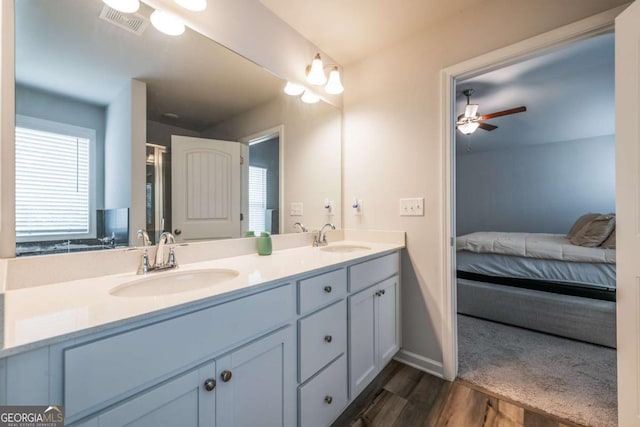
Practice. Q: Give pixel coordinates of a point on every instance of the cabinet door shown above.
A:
(183, 401)
(257, 383)
(387, 321)
(362, 339)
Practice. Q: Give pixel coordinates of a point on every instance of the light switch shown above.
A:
(412, 207)
(295, 209)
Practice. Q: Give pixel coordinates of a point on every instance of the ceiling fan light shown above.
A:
(310, 97)
(124, 6)
(471, 110)
(334, 86)
(468, 128)
(167, 23)
(293, 89)
(315, 75)
(193, 5)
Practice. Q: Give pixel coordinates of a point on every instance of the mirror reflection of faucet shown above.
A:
(300, 226)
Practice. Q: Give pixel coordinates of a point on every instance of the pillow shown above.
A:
(595, 231)
(581, 222)
(610, 243)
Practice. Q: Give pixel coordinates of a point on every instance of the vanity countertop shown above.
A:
(43, 315)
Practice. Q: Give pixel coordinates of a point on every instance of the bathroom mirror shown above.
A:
(120, 127)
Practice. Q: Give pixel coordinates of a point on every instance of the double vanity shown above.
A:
(281, 340)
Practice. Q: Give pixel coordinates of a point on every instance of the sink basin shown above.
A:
(344, 248)
(166, 283)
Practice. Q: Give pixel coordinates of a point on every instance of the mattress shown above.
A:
(588, 274)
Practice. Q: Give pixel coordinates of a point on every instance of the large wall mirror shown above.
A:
(224, 150)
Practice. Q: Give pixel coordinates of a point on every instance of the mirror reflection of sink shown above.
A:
(166, 283)
(344, 248)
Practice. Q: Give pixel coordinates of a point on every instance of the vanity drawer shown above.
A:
(320, 290)
(105, 371)
(324, 397)
(370, 272)
(323, 336)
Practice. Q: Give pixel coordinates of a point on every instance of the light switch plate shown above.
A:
(412, 207)
(295, 209)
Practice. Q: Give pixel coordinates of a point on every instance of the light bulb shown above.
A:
(124, 6)
(334, 86)
(310, 97)
(293, 89)
(167, 23)
(193, 5)
(468, 128)
(316, 76)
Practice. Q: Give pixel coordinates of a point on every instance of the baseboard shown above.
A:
(420, 362)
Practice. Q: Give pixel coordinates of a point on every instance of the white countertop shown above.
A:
(45, 314)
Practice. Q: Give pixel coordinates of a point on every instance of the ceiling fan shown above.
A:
(470, 121)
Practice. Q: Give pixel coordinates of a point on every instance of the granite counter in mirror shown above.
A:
(137, 89)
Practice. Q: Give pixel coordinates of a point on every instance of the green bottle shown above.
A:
(264, 244)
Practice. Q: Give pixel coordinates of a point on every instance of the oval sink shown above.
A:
(165, 283)
(344, 248)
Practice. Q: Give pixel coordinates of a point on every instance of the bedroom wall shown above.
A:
(540, 189)
(393, 144)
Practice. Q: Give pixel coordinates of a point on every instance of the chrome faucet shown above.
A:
(301, 226)
(320, 239)
(166, 238)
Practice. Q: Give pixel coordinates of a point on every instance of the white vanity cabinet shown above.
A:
(373, 320)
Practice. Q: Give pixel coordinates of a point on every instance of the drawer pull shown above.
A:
(328, 338)
(226, 376)
(210, 384)
(328, 399)
(328, 289)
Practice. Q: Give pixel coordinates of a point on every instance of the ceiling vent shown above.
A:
(132, 22)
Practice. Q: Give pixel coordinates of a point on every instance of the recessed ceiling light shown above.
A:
(194, 5)
(167, 23)
(170, 115)
(124, 6)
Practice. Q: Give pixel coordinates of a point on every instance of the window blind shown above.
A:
(257, 198)
(52, 183)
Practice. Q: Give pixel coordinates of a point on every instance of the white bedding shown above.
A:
(533, 245)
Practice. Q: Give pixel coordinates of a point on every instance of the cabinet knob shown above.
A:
(382, 292)
(177, 232)
(226, 376)
(328, 289)
(210, 384)
(328, 399)
(328, 338)
(378, 293)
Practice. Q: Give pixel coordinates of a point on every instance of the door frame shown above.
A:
(276, 131)
(532, 47)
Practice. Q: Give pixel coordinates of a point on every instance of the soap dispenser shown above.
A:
(264, 244)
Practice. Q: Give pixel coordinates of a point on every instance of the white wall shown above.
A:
(393, 144)
(312, 154)
(125, 139)
(540, 189)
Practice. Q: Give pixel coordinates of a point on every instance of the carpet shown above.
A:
(566, 378)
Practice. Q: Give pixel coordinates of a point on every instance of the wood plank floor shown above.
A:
(401, 396)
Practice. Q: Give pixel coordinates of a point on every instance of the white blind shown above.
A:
(257, 198)
(52, 183)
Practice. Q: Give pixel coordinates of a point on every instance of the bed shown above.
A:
(538, 281)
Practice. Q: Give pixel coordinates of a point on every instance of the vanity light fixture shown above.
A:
(293, 89)
(193, 5)
(124, 6)
(310, 97)
(167, 23)
(316, 76)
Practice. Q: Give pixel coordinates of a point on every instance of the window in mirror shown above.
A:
(264, 183)
(53, 181)
(257, 198)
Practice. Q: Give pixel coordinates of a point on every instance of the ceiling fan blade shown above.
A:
(504, 113)
(487, 126)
